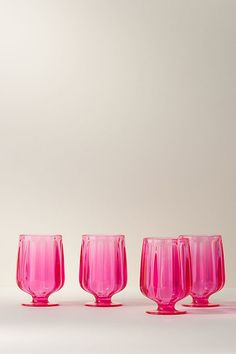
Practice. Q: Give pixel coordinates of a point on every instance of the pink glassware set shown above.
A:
(171, 269)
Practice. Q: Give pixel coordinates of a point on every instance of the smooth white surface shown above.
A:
(75, 329)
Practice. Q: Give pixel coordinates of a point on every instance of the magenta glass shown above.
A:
(208, 271)
(40, 267)
(103, 269)
(165, 274)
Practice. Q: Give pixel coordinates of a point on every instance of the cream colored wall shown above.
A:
(117, 116)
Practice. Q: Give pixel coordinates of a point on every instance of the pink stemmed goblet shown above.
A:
(165, 274)
(208, 271)
(40, 267)
(103, 269)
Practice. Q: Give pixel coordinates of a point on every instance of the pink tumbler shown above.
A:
(208, 271)
(103, 269)
(40, 267)
(165, 274)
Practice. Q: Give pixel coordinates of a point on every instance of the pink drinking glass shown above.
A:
(103, 269)
(208, 271)
(40, 267)
(165, 274)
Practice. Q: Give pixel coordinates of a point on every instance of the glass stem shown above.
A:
(200, 301)
(166, 308)
(40, 300)
(103, 300)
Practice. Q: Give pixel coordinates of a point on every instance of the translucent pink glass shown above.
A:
(40, 267)
(208, 271)
(103, 269)
(165, 275)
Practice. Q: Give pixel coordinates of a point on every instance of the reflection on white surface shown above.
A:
(73, 328)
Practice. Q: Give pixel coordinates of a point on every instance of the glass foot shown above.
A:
(100, 304)
(31, 304)
(200, 305)
(170, 313)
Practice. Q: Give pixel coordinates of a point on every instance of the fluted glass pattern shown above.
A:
(40, 267)
(208, 271)
(103, 269)
(165, 274)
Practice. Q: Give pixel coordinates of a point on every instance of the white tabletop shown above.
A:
(73, 328)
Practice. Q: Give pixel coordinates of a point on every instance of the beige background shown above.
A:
(116, 116)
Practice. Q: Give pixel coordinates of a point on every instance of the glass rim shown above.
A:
(201, 236)
(39, 236)
(160, 239)
(103, 236)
